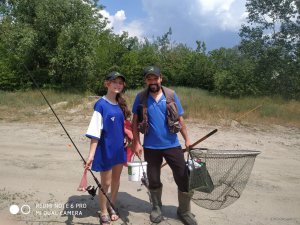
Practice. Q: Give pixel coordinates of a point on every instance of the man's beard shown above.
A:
(154, 88)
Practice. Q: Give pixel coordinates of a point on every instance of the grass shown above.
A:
(17, 106)
(203, 106)
(248, 109)
(35, 99)
(198, 105)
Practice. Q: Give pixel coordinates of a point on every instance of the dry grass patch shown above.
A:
(198, 105)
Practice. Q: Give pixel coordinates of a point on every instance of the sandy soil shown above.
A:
(40, 171)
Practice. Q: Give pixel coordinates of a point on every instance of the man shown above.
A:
(161, 142)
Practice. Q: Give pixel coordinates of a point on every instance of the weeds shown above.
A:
(197, 104)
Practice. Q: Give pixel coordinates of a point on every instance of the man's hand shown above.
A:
(187, 144)
(138, 149)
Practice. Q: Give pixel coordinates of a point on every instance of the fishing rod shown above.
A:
(91, 190)
(144, 179)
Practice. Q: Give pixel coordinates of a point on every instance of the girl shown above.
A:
(107, 151)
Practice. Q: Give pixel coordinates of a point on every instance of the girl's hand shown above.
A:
(126, 142)
(88, 164)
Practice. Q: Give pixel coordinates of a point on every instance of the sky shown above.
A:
(216, 22)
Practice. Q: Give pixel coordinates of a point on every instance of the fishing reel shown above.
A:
(92, 190)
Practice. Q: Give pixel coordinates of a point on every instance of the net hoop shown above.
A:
(229, 170)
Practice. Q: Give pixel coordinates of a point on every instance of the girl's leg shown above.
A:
(115, 184)
(115, 181)
(105, 182)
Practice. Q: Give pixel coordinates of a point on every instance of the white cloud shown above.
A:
(120, 16)
(119, 24)
(117, 20)
(214, 5)
(134, 28)
(211, 21)
(222, 14)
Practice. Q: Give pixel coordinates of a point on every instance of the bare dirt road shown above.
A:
(40, 172)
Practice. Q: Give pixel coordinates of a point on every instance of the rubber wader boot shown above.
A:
(155, 215)
(184, 209)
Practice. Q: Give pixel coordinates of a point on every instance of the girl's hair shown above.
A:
(123, 104)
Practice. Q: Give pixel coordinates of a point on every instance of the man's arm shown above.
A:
(184, 132)
(137, 147)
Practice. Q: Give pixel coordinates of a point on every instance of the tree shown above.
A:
(54, 39)
(234, 73)
(271, 40)
(175, 65)
(201, 68)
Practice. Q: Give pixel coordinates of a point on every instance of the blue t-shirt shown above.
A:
(107, 125)
(158, 136)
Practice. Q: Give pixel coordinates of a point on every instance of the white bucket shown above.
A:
(135, 170)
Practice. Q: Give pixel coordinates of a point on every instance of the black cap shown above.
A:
(152, 70)
(113, 75)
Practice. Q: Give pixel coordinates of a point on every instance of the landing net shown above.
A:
(229, 171)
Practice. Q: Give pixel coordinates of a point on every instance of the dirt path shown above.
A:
(40, 171)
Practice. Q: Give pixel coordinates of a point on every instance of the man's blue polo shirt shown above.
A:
(158, 136)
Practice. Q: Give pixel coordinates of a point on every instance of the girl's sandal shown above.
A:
(113, 215)
(105, 220)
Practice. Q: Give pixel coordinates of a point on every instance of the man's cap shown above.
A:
(114, 75)
(152, 70)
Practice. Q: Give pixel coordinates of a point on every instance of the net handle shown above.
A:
(195, 143)
(200, 140)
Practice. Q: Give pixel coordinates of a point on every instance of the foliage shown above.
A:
(271, 39)
(234, 74)
(66, 45)
(53, 39)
